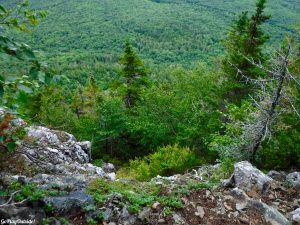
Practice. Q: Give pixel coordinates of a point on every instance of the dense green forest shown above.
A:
(158, 86)
(80, 38)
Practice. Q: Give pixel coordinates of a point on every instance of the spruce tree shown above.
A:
(86, 98)
(245, 41)
(134, 74)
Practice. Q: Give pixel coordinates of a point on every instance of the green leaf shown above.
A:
(11, 146)
(48, 79)
(28, 53)
(2, 9)
(1, 90)
(33, 73)
(24, 88)
(41, 76)
(22, 97)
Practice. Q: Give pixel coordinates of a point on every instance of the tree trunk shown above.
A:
(274, 104)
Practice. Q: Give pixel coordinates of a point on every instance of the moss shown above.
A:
(141, 194)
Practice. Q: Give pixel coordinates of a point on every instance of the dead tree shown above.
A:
(272, 89)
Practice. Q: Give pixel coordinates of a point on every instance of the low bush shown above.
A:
(166, 161)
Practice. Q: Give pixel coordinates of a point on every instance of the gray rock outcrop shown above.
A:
(272, 216)
(249, 178)
(70, 203)
(54, 152)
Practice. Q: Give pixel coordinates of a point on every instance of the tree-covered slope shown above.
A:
(163, 31)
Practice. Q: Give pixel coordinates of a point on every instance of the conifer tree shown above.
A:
(86, 99)
(134, 74)
(245, 41)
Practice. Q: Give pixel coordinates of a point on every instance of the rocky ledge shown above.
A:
(46, 151)
(247, 197)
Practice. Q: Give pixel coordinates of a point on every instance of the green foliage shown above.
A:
(165, 161)
(134, 75)
(283, 150)
(229, 145)
(48, 208)
(21, 18)
(32, 192)
(98, 162)
(245, 42)
(92, 222)
(181, 32)
(167, 211)
(46, 221)
(181, 109)
(64, 221)
(28, 191)
(11, 132)
(137, 194)
(128, 112)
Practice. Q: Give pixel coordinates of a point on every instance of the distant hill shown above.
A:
(163, 31)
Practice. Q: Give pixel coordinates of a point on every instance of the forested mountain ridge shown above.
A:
(163, 31)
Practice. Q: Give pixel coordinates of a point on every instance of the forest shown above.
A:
(150, 112)
(160, 86)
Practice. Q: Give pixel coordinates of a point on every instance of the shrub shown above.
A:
(166, 161)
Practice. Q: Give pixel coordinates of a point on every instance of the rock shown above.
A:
(270, 214)
(227, 207)
(111, 176)
(99, 171)
(294, 179)
(115, 210)
(279, 176)
(75, 182)
(155, 205)
(228, 182)
(108, 168)
(200, 212)
(6, 179)
(244, 220)
(295, 216)
(241, 206)
(205, 172)
(33, 216)
(241, 198)
(144, 215)
(73, 202)
(249, 178)
(239, 194)
(178, 219)
(54, 152)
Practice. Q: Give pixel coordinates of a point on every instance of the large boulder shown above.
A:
(249, 178)
(271, 215)
(68, 204)
(53, 152)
